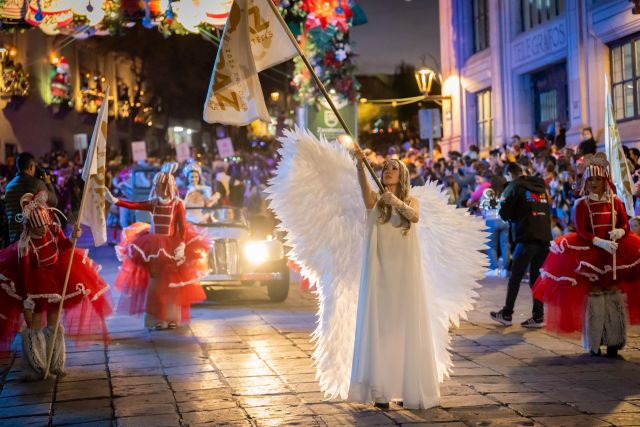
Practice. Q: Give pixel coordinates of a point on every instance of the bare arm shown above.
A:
(369, 196)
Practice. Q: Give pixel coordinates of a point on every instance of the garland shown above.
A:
(322, 27)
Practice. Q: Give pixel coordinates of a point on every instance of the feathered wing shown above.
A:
(316, 196)
(452, 264)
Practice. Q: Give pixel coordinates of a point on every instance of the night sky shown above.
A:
(397, 30)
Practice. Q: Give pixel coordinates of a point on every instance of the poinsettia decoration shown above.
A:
(322, 27)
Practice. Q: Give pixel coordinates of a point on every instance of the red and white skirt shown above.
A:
(148, 256)
(573, 267)
(86, 304)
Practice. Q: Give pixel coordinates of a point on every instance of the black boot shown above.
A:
(612, 350)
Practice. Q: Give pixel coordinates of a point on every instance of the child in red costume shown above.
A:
(161, 263)
(32, 274)
(576, 281)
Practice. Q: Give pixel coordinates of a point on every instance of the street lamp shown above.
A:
(424, 78)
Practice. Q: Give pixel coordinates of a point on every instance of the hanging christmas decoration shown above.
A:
(91, 92)
(60, 82)
(50, 15)
(14, 81)
(93, 10)
(323, 30)
(13, 9)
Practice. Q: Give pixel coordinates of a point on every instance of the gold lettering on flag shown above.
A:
(251, 43)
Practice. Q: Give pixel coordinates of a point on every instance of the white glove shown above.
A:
(616, 234)
(110, 197)
(178, 252)
(607, 245)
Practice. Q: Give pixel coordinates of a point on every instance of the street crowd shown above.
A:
(471, 180)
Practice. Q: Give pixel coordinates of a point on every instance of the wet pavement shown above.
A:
(246, 361)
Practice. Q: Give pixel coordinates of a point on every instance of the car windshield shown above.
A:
(217, 217)
(142, 179)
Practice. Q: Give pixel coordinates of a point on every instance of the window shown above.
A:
(484, 122)
(625, 78)
(480, 25)
(536, 12)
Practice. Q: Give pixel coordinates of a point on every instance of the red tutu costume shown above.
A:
(162, 263)
(576, 281)
(32, 275)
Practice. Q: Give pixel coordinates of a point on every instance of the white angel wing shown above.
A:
(450, 244)
(316, 196)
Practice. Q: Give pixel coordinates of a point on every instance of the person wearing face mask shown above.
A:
(392, 268)
(577, 283)
(32, 277)
(161, 262)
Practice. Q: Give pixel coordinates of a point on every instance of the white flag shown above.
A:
(620, 172)
(253, 40)
(93, 174)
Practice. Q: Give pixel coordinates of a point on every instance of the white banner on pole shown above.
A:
(225, 147)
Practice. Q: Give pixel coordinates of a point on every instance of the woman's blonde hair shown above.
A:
(402, 193)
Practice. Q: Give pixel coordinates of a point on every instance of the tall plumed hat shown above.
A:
(35, 212)
(165, 177)
(596, 165)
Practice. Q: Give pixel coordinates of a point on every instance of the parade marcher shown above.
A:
(32, 275)
(576, 281)
(25, 182)
(525, 205)
(162, 262)
(386, 298)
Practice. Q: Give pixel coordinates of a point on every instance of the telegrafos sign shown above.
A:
(536, 44)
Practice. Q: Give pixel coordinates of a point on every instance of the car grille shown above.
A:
(224, 257)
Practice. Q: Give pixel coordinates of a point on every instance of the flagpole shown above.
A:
(322, 89)
(613, 208)
(74, 239)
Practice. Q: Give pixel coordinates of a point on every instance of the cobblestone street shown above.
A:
(246, 361)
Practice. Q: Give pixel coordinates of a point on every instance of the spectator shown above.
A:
(413, 175)
(588, 145)
(25, 182)
(525, 205)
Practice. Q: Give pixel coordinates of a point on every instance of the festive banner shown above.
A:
(235, 95)
(620, 172)
(93, 174)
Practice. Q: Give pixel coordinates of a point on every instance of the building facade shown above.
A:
(523, 66)
(51, 89)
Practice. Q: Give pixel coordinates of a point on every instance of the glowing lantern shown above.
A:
(13, 9)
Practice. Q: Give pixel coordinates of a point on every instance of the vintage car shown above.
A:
(241, 253)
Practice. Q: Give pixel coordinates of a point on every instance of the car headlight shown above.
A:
(258, 252)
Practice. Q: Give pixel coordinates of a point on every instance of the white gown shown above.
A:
(394, 356)
(386, 302)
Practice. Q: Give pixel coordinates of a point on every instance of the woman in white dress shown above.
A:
(393, 354)
(389, 283)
